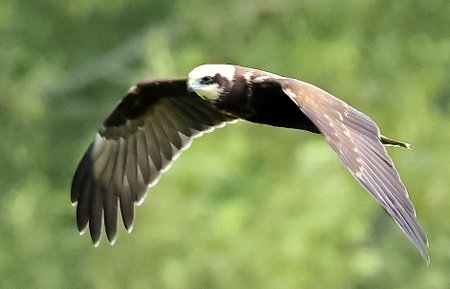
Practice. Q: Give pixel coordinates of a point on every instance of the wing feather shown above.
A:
(152, 124)
(154, 149)
(170, 130)
(356, 140)
(142, 152)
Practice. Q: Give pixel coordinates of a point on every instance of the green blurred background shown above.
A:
(249, 206)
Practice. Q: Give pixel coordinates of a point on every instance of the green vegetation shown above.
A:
(248, 206)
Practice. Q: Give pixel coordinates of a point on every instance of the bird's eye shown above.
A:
(207, 80)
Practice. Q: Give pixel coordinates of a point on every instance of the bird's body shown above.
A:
(263, 101)
(158, 119)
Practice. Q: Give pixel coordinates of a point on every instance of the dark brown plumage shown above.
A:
(157, 120)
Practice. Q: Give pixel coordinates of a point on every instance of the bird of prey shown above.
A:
(158, 119)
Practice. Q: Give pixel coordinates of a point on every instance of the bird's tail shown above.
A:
(392, 142)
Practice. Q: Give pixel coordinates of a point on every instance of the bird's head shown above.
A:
(209, 81)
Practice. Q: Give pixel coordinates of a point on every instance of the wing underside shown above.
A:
(149, 128)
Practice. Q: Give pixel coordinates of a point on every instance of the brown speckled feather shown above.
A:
(356, 140)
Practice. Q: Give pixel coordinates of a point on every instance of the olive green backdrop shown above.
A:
(245, 207)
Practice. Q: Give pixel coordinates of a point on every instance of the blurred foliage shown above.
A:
(264, 207)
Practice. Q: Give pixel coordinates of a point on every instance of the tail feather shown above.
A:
(392, 142)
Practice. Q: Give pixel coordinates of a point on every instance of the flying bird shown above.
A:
(158, 119)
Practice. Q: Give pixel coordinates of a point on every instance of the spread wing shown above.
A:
(356, 140)
(149, 128)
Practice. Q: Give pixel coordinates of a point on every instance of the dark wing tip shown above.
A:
(82, 189)
(88, 197)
